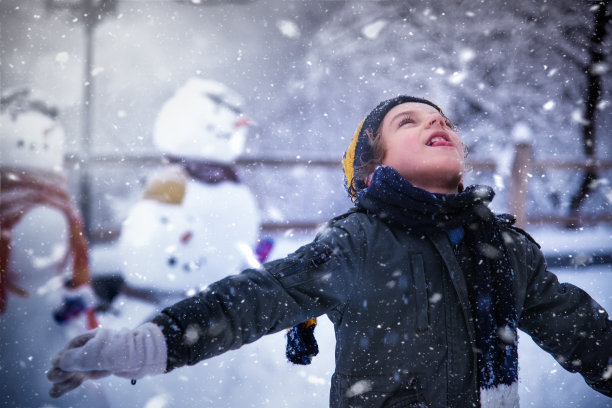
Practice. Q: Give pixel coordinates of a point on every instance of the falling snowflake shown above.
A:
(372, 30)
(288, 28)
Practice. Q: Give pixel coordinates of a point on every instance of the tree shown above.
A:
(490, 65)
(592, 98)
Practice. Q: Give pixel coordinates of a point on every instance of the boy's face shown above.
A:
(421, 145)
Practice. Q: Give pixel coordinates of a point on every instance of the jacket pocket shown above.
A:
(421, 299)
(376, 391)
(301, 266)
(410, 397)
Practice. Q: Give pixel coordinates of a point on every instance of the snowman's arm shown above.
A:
(316, 279)
(151, 295)
(108, 286)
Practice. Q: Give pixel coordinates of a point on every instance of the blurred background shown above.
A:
(528, 84)
(309, 72)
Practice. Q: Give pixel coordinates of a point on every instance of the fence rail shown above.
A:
(523, 166)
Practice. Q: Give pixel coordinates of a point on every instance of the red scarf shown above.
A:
(21, 191)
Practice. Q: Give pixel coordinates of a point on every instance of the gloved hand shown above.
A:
(102, 352)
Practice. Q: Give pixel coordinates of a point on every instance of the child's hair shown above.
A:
(365, 170)
(366, 150)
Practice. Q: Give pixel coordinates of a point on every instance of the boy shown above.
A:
(425, 286)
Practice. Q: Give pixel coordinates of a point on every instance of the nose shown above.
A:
(437, 119)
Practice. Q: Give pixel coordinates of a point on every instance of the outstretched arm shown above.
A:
(566, 322)
(239, 309)
(242, 308)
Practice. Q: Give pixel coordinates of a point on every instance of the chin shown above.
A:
(449, 170)
(450, 178)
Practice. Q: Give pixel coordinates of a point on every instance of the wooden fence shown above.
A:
(523, 166)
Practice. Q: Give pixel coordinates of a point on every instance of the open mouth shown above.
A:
(439, 139)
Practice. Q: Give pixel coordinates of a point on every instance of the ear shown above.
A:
(460, 187)
(368, 180)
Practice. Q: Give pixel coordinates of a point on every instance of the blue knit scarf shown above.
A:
(464, 217)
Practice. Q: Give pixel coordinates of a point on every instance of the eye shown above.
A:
(172, 261)
(405, 120)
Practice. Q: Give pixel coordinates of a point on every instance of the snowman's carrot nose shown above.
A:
(242, 122)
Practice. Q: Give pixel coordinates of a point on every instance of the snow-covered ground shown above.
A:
(543, 383)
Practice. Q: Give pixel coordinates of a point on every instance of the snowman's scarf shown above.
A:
(397, 202)
(205, 171)
(21, 191)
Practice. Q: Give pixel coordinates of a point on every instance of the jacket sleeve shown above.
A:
(566, 322)
(241, 308)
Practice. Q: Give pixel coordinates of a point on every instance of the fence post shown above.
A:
(517, 200)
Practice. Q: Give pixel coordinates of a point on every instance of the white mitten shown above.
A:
(101, 352)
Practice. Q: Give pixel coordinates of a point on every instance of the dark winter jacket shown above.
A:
(400, 306)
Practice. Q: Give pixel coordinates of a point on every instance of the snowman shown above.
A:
(194, 224)
(45, 298)
(203, 130)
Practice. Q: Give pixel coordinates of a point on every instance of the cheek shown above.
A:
(403, 155)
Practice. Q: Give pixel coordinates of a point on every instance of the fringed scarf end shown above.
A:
(500, 396)
(301, 343)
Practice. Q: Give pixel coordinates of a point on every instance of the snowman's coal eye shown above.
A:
(163, 220)
(20, 143)
(172, 261)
